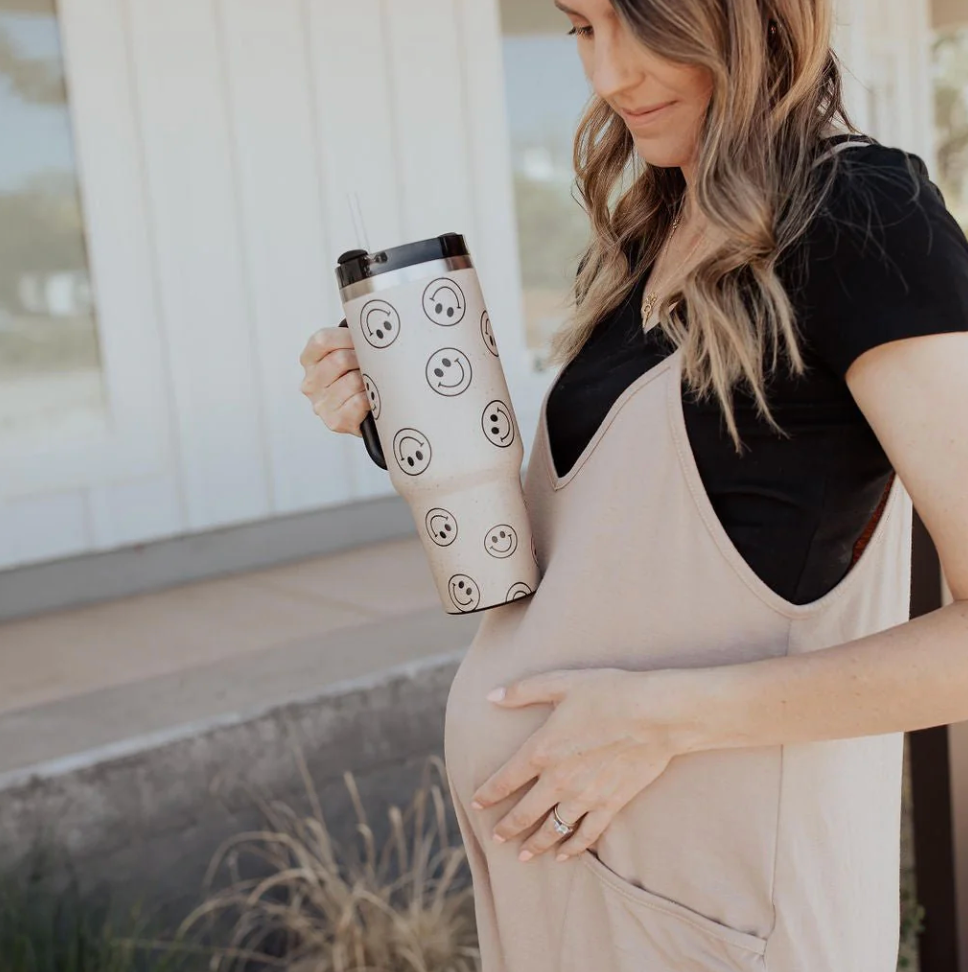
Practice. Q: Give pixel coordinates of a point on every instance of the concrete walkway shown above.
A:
(83, 681)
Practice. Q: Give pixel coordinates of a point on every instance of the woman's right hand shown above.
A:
(333, 383)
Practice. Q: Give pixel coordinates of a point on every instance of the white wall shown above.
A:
(886, 44)
(216, 140)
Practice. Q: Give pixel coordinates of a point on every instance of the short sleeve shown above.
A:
(886, 260)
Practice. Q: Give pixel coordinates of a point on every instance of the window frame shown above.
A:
(104, 126)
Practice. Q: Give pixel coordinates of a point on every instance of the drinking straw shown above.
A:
(356, 214)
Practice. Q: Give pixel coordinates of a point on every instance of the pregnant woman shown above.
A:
(683, 753)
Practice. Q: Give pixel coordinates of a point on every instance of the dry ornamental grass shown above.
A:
(405, 907)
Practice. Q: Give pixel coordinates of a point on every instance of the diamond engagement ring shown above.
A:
(560, 825)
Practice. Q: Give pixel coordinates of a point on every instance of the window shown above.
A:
(50, 368)
(546, 93)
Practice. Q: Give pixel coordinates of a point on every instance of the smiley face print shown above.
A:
(534, 551)
(488, 334)
(441, 526)
(497, 424)
(501, 541)
(449, 372)
(464, 592)
(380, 323)
(517, 591)
(444, 302)
(372, 395)
(412, 451)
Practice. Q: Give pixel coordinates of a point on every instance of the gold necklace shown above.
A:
(649, 302)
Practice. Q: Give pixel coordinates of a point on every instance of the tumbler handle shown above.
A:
(371, 438)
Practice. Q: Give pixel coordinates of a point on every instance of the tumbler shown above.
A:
(441, 421)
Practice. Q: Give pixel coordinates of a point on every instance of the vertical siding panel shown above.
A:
(358, 153)
(488, 136)
(890, 56)
(902, 86)
(287, 265)
(496, 248)
(39, 528)
(135, 512)
(885, 73)
(429, 118)
(192, 193)
(125, 512)
(916, 36)
(913, 40)
(851, 44)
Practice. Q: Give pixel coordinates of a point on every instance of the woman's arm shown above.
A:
(914, 394)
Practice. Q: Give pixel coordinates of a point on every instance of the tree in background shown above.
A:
(41, 222)
(40, 82)
(950, 51)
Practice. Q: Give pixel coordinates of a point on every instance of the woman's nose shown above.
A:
(615, 68)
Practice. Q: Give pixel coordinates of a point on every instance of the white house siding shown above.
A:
(893, 62)
(216, 141)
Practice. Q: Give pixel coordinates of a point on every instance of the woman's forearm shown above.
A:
(908, 677)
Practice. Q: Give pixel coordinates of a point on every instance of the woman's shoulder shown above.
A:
(885, 259)
(860, 156)
(880, 197)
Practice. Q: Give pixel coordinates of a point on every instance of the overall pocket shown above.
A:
(613, 925)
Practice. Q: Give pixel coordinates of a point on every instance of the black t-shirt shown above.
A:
(796, 507)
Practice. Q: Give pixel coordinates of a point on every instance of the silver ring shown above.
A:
(560, 825)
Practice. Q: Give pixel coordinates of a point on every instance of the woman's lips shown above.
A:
(638, 118)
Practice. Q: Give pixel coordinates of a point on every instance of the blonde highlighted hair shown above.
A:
(772, 99)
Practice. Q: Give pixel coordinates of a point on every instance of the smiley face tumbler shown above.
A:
(441, 420)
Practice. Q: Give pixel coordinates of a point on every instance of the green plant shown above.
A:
(912, 922)
(312, 906)
(46, 931)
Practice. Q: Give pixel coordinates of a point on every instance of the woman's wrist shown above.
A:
(692, 705)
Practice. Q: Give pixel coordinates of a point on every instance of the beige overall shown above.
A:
(780, 858)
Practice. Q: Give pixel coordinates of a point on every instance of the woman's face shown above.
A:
(630, 78)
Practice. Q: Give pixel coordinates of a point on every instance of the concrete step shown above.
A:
(135, 785)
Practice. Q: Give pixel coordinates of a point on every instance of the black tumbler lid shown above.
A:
(357, 265)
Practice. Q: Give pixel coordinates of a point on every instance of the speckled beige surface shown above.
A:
(80, 651)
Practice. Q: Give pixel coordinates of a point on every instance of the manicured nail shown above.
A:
(562, 857)
(499, 838)
(525, 855)
(495, 695)
(476, 805)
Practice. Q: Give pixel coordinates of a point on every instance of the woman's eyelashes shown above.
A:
(580, 32)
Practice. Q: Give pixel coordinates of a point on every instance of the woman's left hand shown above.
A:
(612, 732)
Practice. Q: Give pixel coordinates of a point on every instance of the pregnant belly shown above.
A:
(708, 822)
(480, 736)
(513, 642)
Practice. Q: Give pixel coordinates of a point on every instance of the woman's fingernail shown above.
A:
(562, 857)
(495, 695)
(476, 805)
(525, 855)
(498, 838)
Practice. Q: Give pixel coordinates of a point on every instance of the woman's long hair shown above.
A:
(772, 99)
